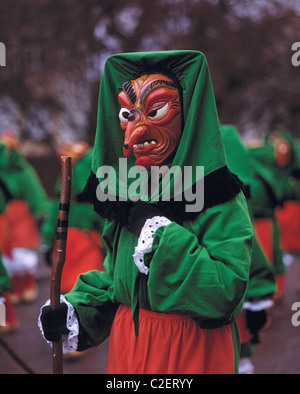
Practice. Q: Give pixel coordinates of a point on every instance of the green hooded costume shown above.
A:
(262, 286)
(5, 197)
(81, 215)
(287, 215)
(196, 264)
(262, 282)
(270, 188)
(24, 184)
(84, 249)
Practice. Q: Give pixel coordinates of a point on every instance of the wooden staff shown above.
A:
(60, 252)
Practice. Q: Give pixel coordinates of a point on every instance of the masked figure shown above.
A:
(176, 275)
(288, 215)
(84, 247)
(261, 287)
(8, 320)
(25, 211)
(273, 165)
(151, 119)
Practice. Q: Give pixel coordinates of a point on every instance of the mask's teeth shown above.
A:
(144, 144)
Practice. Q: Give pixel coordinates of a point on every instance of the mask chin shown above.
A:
(148, 161)
(145, 161)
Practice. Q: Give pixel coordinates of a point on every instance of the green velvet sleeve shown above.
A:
(204, 272)
(200, 269)
(92, 300)
(262, 284)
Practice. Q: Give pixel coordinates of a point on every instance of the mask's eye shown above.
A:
(123, 115)
(159, 113)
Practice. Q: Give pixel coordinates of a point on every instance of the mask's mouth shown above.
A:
(143, 147)
(140, 142)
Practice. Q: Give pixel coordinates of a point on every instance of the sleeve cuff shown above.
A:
(258, 306)
(70, 340)
(145, 241)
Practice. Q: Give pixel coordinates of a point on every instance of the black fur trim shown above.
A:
(219, 186)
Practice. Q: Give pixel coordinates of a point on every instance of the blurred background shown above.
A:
(56, 49)
(55, 54)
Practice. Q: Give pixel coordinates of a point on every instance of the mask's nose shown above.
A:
(133, 116)
(132, 134)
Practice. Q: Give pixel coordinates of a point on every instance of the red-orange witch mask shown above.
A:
(150, 115)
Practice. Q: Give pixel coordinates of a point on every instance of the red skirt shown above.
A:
(288, 219)
(264, 234)
(18, 228)
(83, 253)
(167, 344)
(245, 335)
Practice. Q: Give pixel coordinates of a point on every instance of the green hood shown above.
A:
(263, 166)
(236, 153)
(201, 125)
(201, 143)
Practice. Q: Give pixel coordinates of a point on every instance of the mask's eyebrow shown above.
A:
(128, 89)
(158, 82)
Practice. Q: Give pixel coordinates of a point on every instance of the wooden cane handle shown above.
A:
(60, 251)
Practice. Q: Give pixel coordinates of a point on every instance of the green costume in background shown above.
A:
(84, 247)
(288, 215)
(262, 286)
(270, 189)
(25, 185)
(20, 240)
(197, 263)
(11, 320)
(81, 215)
(5, 196)
(4, 278)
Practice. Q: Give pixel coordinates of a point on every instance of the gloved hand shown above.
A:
(54, 322)
(255, 320)
(139, 213)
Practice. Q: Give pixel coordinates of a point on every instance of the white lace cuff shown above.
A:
(258, 306)
(70, 340)
(145, 240)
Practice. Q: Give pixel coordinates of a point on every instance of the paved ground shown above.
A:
(279, 352)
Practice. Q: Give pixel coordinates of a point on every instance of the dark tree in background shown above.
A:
(56, 50)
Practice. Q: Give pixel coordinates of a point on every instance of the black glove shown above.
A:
(54, 322)
(255, 321)
(139, 213)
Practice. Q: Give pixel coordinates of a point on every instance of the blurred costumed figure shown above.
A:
(85, 251)
(288, 216)
(25, 211)
(11, 321)
(176, 271)
(261, 286)
(271, 166)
